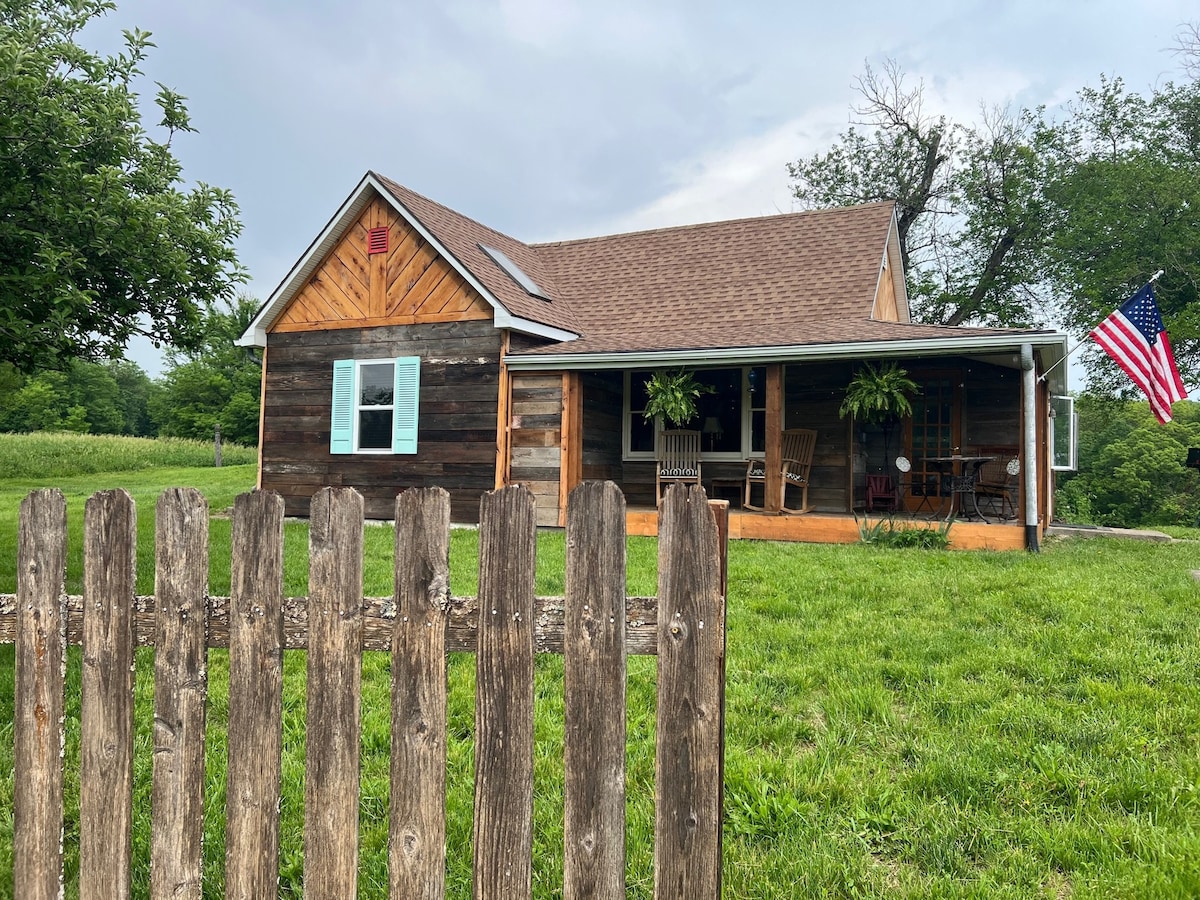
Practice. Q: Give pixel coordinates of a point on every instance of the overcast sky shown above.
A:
(553, 119)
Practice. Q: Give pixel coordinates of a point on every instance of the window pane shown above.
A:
(758, 387)
(375, 385)
(375, 429)
(637, 391)
(758, 431)
(641, 434)
(719, 415)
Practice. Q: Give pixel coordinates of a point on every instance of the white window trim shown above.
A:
(705, 455)
(359, 364)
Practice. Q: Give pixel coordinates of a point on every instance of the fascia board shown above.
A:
(1049, 341)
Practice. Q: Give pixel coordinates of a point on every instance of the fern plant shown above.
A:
(672, 394)
(880, 396)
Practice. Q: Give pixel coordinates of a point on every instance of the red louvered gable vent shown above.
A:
(377, 240)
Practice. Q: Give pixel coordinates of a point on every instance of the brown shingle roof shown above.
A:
(750, 282)
(745, 282)
(462, 236)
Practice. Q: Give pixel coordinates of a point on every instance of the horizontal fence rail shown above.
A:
(595, 626)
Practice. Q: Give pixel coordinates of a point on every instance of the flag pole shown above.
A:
(1153, 278)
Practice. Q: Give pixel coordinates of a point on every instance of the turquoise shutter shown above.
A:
(341, 430)
(407, 399)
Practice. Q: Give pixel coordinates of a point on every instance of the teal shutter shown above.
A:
(341, 430)
(407, 400)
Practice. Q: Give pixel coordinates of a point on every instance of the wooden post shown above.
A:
(594, 694)
(504, 697)
(417, 828)
(180, 690)
(217, 445)
(773, 487)
(331, 773)
(255, 730)
(720, 511)
(689, 755)
(106, 702)
(38, 696)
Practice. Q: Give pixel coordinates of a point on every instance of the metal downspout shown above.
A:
(1029, 472)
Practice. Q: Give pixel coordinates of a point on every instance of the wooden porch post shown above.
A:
(503, 419)
(774, 460)
(570, 467)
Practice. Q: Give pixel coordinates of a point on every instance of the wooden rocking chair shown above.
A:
(678, 460)
(797, 453)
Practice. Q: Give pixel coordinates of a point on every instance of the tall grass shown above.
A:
(900, 723)
(55, 454)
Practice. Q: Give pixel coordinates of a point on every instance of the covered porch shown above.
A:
(587, 424)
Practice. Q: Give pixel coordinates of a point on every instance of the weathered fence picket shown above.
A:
(180, 694)
(255, 728)
(335, 547)
(595, 626)
(38, 696)
(594, 694)
(106, 701)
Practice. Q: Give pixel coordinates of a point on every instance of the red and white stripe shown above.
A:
(1151, 366)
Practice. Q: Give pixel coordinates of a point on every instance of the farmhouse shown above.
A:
(411, 345)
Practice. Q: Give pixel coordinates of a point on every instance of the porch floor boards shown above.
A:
(833, 528)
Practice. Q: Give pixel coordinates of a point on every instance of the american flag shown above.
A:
(1134, 336)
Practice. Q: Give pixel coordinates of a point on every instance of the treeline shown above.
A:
(217, 384)
(1131, 469)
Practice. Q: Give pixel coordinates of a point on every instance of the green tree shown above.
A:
(1131, 469)
(1027, 220)
(97, 239)
(216, 384)
(1124, 190)
(101, 398)
(968, 203)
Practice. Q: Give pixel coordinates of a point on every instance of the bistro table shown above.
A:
(962, 472)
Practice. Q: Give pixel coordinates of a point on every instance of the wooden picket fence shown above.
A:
(594, 626)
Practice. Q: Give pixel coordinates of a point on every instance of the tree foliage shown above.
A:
(216, 384)
(1026, 219)
(98, 239)
(1131, 469)
(95, 398)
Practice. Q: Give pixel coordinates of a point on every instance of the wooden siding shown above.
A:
(812, 396)
(535, 438)
(410, 284)
(991, 408)
(602, 426)
(885, 300)
(456, 440)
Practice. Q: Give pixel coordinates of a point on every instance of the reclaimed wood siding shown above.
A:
(991, 413)
(456, 439)
(407, 285)
(602, 426)
(536, 439)
(812, 395)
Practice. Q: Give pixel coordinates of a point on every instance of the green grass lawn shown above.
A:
(901, 723)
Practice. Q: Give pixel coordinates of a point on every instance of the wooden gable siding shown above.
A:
(456, 430)
(886, 309)
(410, 284)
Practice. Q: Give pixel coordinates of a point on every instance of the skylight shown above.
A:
(514, 272)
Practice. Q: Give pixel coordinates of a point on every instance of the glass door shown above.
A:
(933, 431)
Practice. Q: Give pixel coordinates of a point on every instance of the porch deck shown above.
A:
(833, 528)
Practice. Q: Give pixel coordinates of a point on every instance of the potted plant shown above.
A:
(880, 396)
(672, 394)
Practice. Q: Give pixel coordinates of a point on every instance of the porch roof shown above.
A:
(820, 341)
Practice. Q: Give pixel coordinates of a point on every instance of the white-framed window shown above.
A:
(375, 405)
(731, 419)
(1064, 434)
